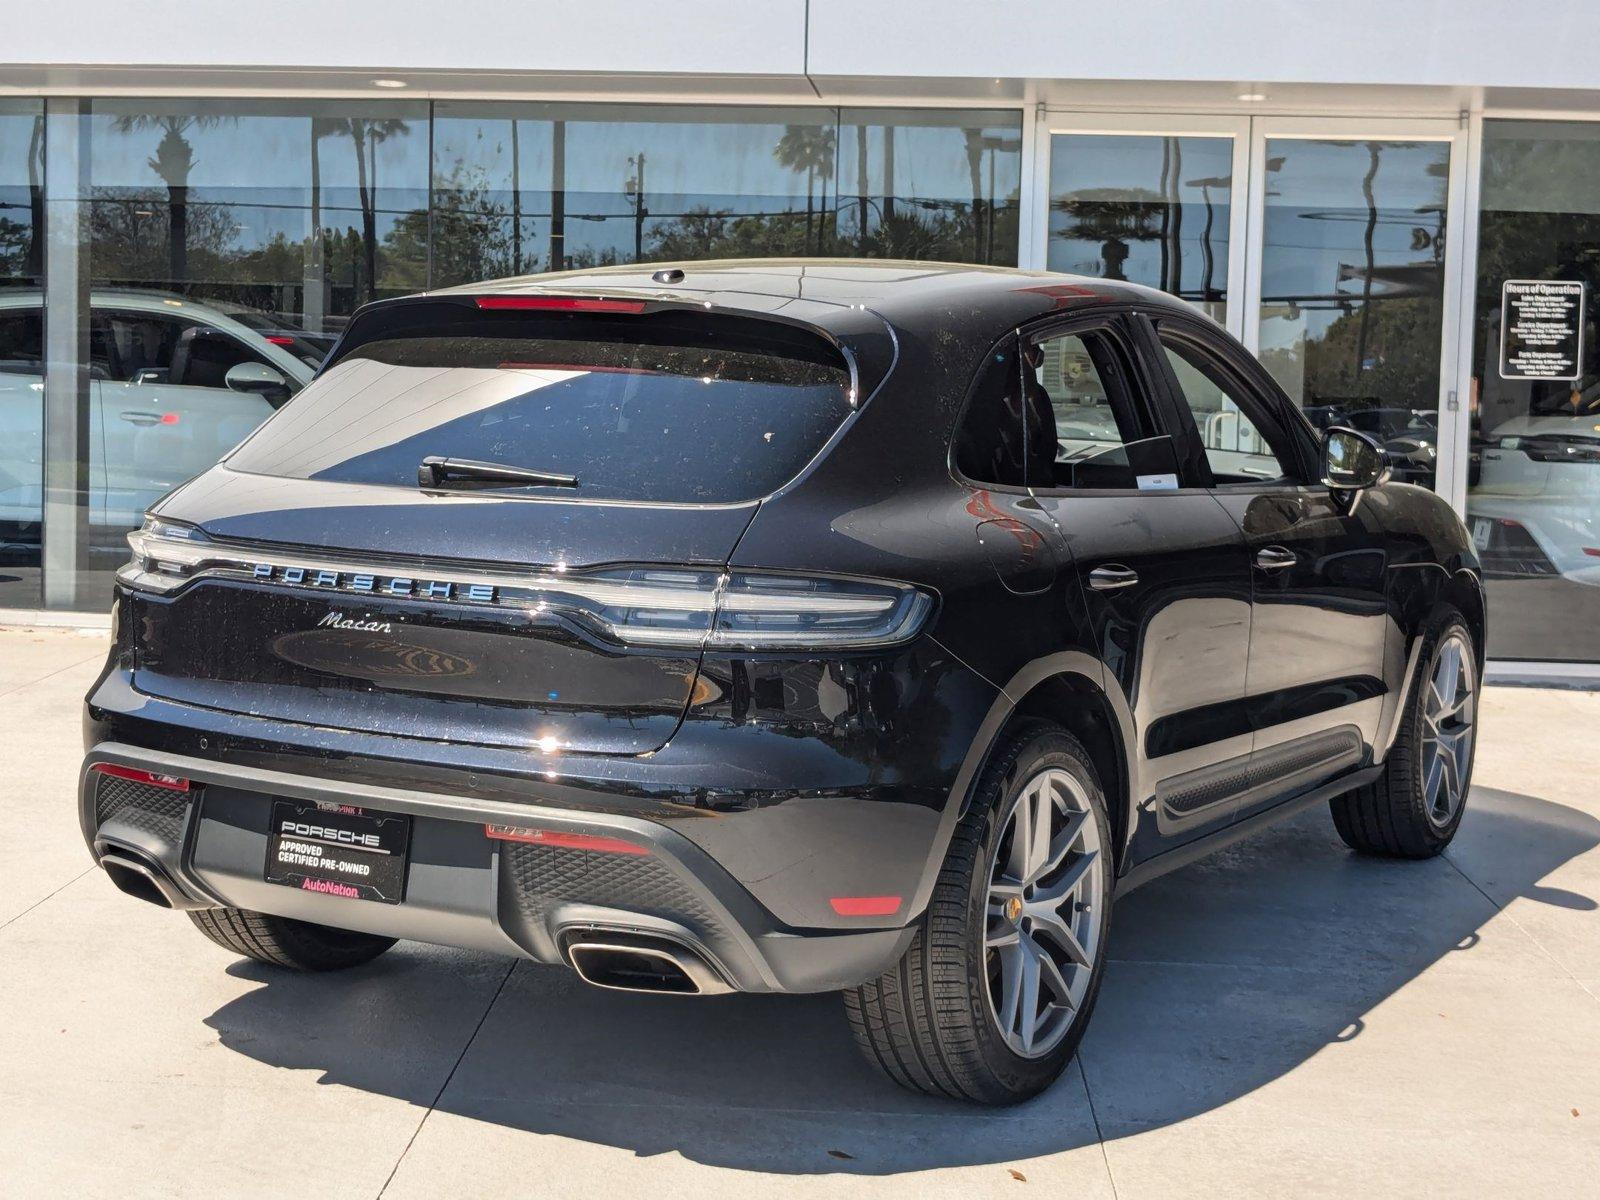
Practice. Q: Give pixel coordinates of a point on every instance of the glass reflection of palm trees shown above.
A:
(1356, 316)
(1122, 215)
(1113, 217)
(810, 148)
(1208, 257)
(33, 257)
(978, 144)
(367, 136)
(172, 162)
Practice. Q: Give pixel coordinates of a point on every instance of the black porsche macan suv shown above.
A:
(784, 626)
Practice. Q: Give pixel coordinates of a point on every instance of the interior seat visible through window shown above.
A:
(1067, 415)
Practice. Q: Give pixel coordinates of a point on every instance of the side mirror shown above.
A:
(256, 379)
(1352, 461)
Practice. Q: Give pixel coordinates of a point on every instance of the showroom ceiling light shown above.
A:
(389, 83)
(1252, 97)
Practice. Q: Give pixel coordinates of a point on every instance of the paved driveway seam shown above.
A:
(1503, 910)
(449, 1075)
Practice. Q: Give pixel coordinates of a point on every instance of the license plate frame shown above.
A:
(338, 850)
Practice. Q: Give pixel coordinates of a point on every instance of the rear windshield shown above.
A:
(678, 416)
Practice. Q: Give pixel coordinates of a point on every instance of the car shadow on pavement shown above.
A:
(1224, 976)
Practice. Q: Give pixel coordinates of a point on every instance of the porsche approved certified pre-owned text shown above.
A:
(713, 629)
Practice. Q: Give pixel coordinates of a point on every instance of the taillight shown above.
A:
(745, 610)
(175, 783)
(682, 608)
(165, 554)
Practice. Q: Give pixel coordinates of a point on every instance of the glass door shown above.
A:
(1351, 289)
(1151, 200)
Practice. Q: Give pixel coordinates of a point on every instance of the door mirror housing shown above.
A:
(256, 379)
(1352, 461)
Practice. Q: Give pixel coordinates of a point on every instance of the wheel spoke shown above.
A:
(1016, 864)
(1000, 938)
(1062, 846)
(1010, 985)
(1028, 995)
(1436, 705)
(1053, 896)
(1054, 981)
(1447, 676)
(1044, 808)
(1432, 777)
(1461, 753)
(1054, 926)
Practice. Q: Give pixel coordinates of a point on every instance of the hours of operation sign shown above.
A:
(1541, 329)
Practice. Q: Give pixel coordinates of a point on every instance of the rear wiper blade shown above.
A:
(437, 472)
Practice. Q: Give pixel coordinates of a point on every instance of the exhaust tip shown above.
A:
(643, 966)
(134, 880)
(137, 876)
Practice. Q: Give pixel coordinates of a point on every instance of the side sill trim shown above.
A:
(1154, 868)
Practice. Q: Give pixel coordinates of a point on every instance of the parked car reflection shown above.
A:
(166, 399)
(1410, 435)
(1534, 508)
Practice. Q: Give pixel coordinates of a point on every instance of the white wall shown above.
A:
(1536, 43)
(734, 36)
(1487, 43)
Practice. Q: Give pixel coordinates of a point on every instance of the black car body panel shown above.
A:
(776, 788)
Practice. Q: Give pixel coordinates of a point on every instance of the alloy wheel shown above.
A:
(1045, 914)
(1449, 709)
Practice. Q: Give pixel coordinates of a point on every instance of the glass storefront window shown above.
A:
(21, 352)
(540, 187)
(217, 234)
(200, 236)
(1144, 208)
(1352, 287)
(931, 185)
(282, 209)
(537, 187)
(1533, 497)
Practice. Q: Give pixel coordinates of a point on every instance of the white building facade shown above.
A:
(1397, 205)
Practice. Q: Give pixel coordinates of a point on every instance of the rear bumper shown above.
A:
(207, 847)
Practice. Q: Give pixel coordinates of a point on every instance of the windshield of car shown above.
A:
(681, 421)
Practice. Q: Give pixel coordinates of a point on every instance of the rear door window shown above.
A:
(680, 415)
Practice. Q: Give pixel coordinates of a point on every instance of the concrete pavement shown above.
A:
(1283, 1018)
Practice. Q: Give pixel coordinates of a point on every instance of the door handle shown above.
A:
(136, 417)
(1274, 558)
(1112, 576)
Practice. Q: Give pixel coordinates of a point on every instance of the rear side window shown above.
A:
(666, 413)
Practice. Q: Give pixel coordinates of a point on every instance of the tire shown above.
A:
(1400, 815)
(285, 942)
(934, 1022)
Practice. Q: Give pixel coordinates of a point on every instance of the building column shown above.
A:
(66, 347)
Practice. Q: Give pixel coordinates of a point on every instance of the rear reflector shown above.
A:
(561, 304)
(566, 841)
(172, 782)
(865, 906)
